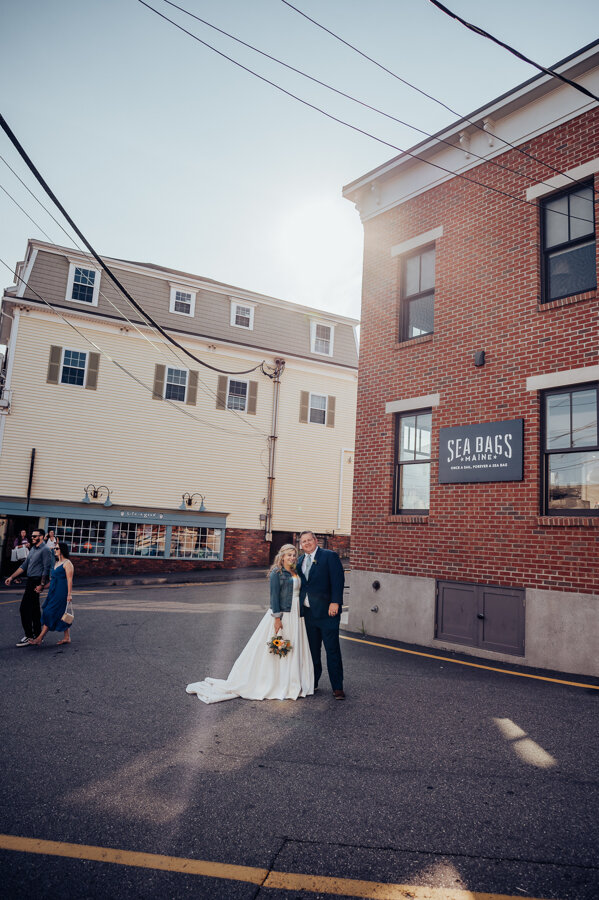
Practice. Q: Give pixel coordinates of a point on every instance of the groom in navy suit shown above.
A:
(321, 599)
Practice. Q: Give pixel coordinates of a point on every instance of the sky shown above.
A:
(163, 151)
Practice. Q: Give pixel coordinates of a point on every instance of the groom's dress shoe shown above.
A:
(339, 695)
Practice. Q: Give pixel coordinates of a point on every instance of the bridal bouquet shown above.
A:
(279, 646)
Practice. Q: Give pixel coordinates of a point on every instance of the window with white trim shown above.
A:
(571, 451)
(417, 295)
(82, 536)
(237, 394)
(321, 338)
(568, 242)
(73, 365)
(83, 285)
(183, 301)
(175, 385)
(137, 539)
(412, 462)
(242, 315)
(188, 542)
(317, 413)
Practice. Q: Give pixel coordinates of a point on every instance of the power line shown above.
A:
(14, 140)
(333, 118)
(206, 388)
(347, 96)
(115, 362)
(429, 96)
(480, 31)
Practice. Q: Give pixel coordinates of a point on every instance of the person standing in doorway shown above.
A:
(37, 569)
(321, 599)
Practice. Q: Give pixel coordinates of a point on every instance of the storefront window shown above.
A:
(135, 539)
(571, 450)
(195, 543)
(83, 537)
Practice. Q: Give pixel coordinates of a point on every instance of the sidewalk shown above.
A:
(195, 576)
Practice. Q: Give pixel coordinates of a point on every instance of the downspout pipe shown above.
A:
(31, 467)
(272, 447)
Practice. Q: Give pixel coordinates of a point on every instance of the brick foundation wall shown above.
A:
(487, 297)
(244, 547)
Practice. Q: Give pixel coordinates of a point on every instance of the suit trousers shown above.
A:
(31, 616)
(325, 631)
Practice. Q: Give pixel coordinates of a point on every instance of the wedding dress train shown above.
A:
(260, 675)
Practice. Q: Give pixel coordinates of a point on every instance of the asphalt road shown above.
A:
(430, 774)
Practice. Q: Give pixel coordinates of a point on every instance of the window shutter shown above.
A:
(330, 412)
(221, 392)
(158, 393)
(304, 404)
(192, 389)
(54, 365)
(93, 366)
(252, 398)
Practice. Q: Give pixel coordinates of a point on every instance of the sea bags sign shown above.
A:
(492, 451)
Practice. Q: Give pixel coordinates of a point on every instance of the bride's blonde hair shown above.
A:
(278, 560)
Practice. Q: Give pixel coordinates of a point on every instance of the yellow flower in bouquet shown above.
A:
(279, 646)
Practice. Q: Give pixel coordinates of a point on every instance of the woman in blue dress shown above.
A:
(59, 594)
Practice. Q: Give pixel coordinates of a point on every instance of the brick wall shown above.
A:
(244, 547)
(487, 297)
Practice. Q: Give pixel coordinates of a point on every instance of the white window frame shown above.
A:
(331, 327)
(247, 394)
(71, 280)
(73, 350)
(176, 369)
(173, 298)
(246, 305)
(326, 408)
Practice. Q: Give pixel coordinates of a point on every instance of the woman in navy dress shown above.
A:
(59, 594)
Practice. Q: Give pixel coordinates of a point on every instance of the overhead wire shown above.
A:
(206, 388)
(424, 93)
(22, 152)
(110, 358)
(486, 34)
(353, 99)
(340, 121)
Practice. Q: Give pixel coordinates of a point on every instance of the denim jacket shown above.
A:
(281, 592)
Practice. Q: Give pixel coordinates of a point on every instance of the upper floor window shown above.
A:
(242, 315)
(568, 243)
(83, 285)
(73, 367)
(417, 294)
(571, 451)
(237, 395)
(413, 462)
(317, 409)
(182, 301)
(321, 338)
(175, 387)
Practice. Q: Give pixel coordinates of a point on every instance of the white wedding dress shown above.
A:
(260, 675)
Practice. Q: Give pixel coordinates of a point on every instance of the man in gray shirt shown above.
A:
(37, 568)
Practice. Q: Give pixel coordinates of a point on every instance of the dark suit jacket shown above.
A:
(325, 582)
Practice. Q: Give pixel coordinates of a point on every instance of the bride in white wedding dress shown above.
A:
(258, 674)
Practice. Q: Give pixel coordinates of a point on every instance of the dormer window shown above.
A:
(83, 285)
(321, 338)
(242, 314)
(183, 301)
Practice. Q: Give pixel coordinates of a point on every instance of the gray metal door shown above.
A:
(481, 615)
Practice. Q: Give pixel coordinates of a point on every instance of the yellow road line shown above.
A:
(287, 881)
(461, 662)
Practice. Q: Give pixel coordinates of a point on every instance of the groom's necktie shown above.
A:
(308, 566)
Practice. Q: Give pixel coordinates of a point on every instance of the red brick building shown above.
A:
(476, 491)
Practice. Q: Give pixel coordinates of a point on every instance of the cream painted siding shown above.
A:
(146, 451)
(149, 452)
(309, 456)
